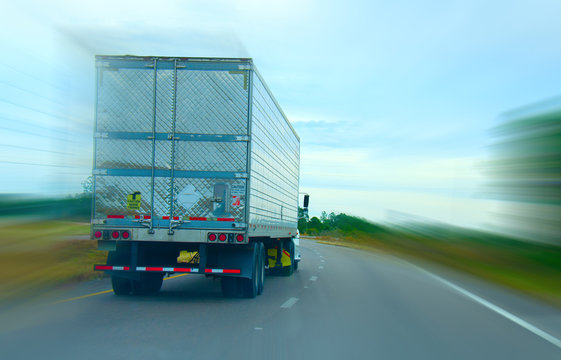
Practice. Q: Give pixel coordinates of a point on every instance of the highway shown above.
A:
(341, 304)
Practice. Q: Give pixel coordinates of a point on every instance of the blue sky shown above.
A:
(392, 99)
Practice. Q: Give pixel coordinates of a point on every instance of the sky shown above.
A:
(393, 100)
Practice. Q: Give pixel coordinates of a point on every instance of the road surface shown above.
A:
(341, 304)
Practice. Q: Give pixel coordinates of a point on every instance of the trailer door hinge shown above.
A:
(242, 138)
(101, 135)
(240, 175)
(99, 172)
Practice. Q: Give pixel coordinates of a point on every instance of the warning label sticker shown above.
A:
(237, 189)
(188, 197)
(236, 201)
(133, 201)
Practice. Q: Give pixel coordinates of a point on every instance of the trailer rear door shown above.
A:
(171, 142)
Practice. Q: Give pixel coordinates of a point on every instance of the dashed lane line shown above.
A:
(289, 303)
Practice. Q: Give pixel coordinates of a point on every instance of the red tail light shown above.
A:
(222, 237)
(115, 234)
(125, 234)
(97, 234)
(212, 237)
(239, 237)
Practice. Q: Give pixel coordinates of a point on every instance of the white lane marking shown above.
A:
(322, 260)
(320, 267)
(489, 305)
(258, 328)
(288, 303)
(305, 287)
(313, 278)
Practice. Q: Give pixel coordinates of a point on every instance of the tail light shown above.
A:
(239, 237)
(125, 234)
(212, 237)
(115, 234)
(98, 234)
(222, 237)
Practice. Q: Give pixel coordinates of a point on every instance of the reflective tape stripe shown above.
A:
(154, 269)
(231, 271)
(223, 271)
(147, 268)
(165, 269)
(197, 218)
(109, 267)
(115, 216)
(225, 219)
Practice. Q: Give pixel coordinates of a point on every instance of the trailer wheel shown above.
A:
(250, 286)
(148, 284)
(121, 286)
(229, 286)
(262, 260)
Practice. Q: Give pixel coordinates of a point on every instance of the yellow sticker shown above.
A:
(133, 201)
(188, 257)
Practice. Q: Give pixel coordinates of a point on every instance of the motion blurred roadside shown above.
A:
(44, 243)
(46, 130)
(46, 126)
(524, 172)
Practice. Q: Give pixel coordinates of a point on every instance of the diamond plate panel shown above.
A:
(211, 156)
(211, 102)
(205, 187)
(125, 100)
(163, 155)
(111, 195)
(131, 154)
(164, 101)
(162, 196)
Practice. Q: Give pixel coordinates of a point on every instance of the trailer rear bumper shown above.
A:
(110, 268)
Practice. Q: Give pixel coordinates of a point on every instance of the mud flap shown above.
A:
(272, 257)
(236, 258)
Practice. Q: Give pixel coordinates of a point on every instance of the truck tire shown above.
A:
(229, 286)
(148, 284)
(121, 286)
(250, 286)
(289, 270)
(262, 259)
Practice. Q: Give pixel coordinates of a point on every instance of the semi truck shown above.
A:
(195, 170)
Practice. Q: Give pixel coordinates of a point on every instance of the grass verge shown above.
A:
(531, 268)
(37, 256)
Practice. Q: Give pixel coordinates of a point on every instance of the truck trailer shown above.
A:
(196, 170)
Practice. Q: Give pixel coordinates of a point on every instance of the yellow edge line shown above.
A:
(105, 292)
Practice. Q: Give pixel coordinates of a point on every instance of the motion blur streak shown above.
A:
(45, 100)
(525, 171)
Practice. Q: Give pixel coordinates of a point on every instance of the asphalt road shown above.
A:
(341, 304)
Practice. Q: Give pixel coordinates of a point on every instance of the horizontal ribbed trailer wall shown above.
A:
(275, 159)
